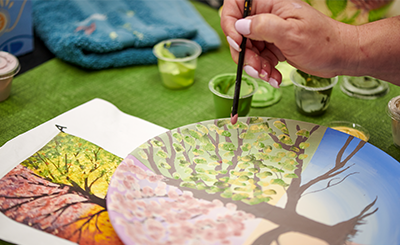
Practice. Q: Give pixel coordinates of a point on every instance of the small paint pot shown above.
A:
(312, 94)
(393, 111)
(223, 87)
(9, 67)
(177, 62)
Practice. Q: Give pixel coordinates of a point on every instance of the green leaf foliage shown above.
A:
(223, 122)
(189, 140)
(263, 175)
(165, 165)
(303, 132)
(157, 143)
(177, 136)
(177, 147)
(214, 157)
(281, 126)
(200, 160)
(189, 185)
(239, 196)
(162, 154)
(202, 128)
(208, 147)
(254, 120)
(280, 182)
(292, 176)
(304, 145)
(285, 139)
(336, 6)
(247, 136)
(226, 133)
(269, 192)
(227, 146)
(263, 137)
(198, 151)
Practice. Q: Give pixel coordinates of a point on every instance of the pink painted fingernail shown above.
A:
(264, 75)
(273, 82)
(243, 26)
(233, 44)
(251, 71)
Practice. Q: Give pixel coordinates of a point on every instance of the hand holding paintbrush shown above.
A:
(234, 115)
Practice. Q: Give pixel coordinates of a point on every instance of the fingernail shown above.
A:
(264, 75)
(233, 44)
(273, 82)
(251, 71)
(243, 26)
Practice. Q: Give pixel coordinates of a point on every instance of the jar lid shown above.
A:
(394, 108)
(9, 65)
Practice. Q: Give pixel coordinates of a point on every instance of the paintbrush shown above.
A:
(234, 115)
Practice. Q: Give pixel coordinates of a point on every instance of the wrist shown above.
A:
(347, 57)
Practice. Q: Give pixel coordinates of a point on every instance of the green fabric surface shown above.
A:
(56, 87)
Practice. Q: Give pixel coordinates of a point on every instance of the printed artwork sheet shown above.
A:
(54, 178)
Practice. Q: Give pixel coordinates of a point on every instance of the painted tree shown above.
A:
(171, 216)
(61, 189)
(252, 163)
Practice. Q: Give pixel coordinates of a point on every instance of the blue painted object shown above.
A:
(16, 27)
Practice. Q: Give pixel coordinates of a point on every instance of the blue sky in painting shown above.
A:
(374, 174)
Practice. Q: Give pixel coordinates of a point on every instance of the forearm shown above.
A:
(376, 50)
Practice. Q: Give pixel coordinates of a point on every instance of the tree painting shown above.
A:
(61, 190)
(218, 183)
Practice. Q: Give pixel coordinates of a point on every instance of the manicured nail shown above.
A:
(233, 44)
(264, 75)
(243, 26)
(251, 71)
(273, 82)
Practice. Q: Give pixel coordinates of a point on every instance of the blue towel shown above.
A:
(100, 34)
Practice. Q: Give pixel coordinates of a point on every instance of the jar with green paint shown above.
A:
(177, 62)
(223, 87)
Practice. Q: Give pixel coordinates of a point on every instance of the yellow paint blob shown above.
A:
(352, 131)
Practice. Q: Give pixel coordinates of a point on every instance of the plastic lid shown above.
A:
(9, 65)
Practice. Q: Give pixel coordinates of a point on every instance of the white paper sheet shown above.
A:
(97, 121)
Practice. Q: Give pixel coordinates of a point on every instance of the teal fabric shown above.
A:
(100, 34)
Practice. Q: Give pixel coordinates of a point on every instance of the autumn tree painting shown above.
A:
(207, 182)
(61, 190)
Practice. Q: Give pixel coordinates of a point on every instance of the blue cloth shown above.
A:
(100, 34)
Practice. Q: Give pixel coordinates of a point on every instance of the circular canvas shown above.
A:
(260, 181)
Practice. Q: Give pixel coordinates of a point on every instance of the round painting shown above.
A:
(260, 181)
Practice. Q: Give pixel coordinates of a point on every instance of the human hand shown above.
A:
(291, 30)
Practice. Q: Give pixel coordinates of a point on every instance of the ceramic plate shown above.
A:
(261, 181)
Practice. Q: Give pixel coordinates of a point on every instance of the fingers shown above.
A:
(261, 56)
(265, 27)
(259, 65)
(231, 11)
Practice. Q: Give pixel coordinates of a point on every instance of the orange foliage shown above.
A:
(92, 228)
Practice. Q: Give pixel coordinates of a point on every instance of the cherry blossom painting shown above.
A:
(260, 181)
(61, 190)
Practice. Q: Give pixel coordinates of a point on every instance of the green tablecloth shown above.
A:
(56, 87)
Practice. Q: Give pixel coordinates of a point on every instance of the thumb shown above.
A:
(263, 27)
